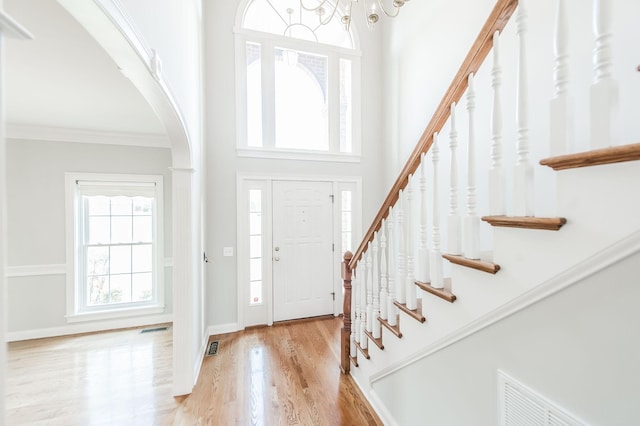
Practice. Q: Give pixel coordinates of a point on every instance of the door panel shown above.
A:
(302, 249)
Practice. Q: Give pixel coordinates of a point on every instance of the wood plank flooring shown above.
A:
(287, 374)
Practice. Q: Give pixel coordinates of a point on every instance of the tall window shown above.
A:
(295, 83)
(117, 243)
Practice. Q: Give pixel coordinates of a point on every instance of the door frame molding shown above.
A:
(244, 182)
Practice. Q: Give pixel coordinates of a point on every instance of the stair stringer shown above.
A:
(598, 202)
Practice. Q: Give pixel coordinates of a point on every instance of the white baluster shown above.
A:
(496, 175)
(375, 326)
(423, 253)
(437, 279)
(369, 291)
(454, 247)
(471, 234)
(604, 90)
(363, 298)
(354, 316)
(391, 308)
(402, 260)
(357, 296)
(523, 182)
(561, 118)
(384, 295)
(409, 230)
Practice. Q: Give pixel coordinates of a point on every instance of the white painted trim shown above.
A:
(203, 349)
(231, 327)
(41, 333)
(36, 270)
(576, 274)
(284, 154)
(126, 312)
(381, 409)
(59, 134)
(11, 28)
(52, 269)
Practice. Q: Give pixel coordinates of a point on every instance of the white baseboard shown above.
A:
(15, 336)
(223, 329)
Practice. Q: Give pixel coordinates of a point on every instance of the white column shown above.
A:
(375, 327)
(3, 238)
(471, 233)
(401, 294)
(454, 222)
(356, 296)
(561, 121)
(604, 90)
(422, 274)
(184, 285)
(497, 182)
(391, 308)
(369, 323)
(8, 28)
(409, 230)
(437, 279)
(384, 295)
(523, 180)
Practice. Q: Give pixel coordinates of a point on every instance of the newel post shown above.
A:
(345, 336)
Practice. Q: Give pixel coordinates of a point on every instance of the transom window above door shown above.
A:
(296, 96)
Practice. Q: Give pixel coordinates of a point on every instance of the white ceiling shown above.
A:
(64, 79)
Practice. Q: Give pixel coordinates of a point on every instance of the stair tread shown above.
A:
(365, 352)
(415, 314)
(443, 293)
(354, 360)
(377, 342)
(528, 222)
(395, 329)
(479, 264)
(613, 154)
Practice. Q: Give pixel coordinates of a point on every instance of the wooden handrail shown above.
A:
(497, 20)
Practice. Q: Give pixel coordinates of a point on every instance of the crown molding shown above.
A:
(60, 134)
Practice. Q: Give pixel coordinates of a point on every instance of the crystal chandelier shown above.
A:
(326, 10)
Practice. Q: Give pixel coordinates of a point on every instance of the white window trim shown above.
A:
(248, 180)
(334, 54)
(73, 268)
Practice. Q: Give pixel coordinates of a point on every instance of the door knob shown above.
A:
(276, 258)
(276, 248)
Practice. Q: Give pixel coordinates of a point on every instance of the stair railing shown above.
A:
(480, 49)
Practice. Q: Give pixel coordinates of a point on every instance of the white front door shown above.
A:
(302, 252)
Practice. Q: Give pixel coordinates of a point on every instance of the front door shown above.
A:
(302, 252)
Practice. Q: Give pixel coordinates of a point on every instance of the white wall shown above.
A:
(577, 348)
(36, 232)
(222, 162)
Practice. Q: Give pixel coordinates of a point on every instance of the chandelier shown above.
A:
(326, 10)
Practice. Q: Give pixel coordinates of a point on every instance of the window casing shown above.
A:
(296, 98)
(116, 248)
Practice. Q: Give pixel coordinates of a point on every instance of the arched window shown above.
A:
(295, 73)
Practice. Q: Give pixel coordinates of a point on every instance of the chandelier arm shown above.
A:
(335, 8)
(384, 10)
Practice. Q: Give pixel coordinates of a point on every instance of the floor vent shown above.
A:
(213, 348)
(151, 330)
(519, 405)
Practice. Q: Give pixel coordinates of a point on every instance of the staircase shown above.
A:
(421, 285)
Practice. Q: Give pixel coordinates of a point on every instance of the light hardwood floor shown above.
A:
(287, 374)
